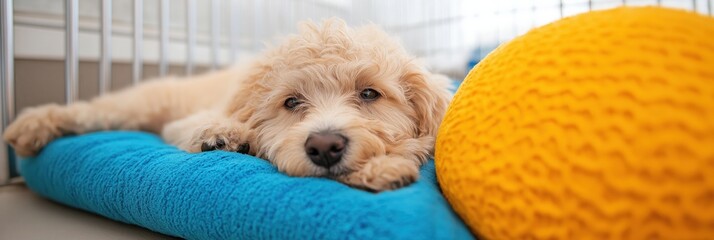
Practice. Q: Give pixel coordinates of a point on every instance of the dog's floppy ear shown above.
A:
(243, 101)
(429, 96)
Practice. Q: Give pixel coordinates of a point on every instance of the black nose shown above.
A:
(325, 149)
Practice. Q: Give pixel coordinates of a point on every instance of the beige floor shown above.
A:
(24, 215)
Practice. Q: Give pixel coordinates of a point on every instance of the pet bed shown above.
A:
(136, 178)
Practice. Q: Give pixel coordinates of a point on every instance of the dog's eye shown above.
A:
(291, 103)
(369, 94)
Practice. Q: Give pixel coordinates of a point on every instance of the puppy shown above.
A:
(336, 102)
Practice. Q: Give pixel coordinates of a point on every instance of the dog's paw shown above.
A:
(383, 173)
(34, 128)
(226, 137)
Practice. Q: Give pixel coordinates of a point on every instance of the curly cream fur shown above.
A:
(325, 66)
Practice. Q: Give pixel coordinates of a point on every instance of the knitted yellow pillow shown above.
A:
(598, 126)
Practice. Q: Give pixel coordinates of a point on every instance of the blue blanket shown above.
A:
(136, 178)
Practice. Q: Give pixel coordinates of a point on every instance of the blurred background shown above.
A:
(451, 36)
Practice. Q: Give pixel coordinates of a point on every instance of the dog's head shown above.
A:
(331, 98)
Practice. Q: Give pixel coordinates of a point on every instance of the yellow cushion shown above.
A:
(597, 126)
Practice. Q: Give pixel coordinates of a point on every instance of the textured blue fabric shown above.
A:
(135, 178)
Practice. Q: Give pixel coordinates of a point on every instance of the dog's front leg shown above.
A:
(394, 169)
(207, 131)
(384, 172)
